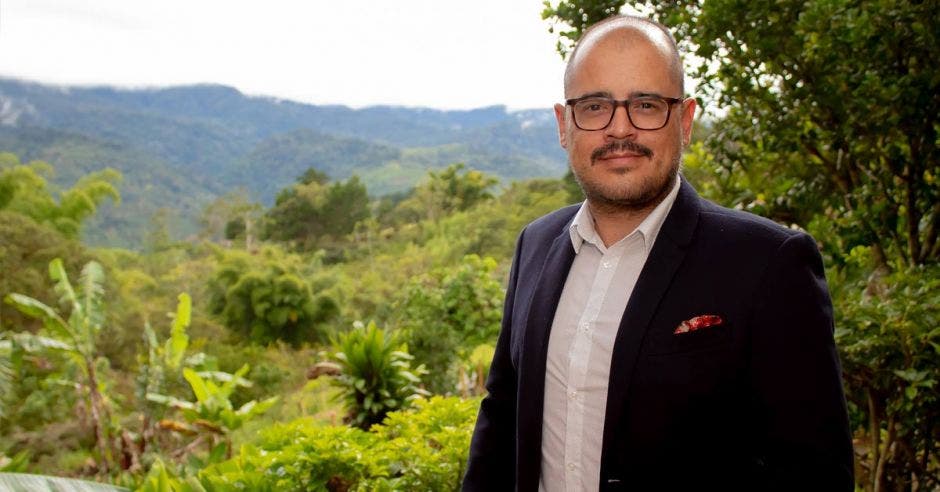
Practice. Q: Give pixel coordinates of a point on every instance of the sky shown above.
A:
(445, 54)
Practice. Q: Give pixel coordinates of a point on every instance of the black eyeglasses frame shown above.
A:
(671, 101)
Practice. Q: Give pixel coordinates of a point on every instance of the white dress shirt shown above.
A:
(580, 344)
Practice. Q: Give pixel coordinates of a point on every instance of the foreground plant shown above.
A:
(74, 336)
(212, 417)
(375, 374)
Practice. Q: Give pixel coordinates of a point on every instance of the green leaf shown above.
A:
(197, 384)
(44, 483)
(178, 342)
(37, 309)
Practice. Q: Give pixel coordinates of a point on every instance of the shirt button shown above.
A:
(572, 394)
(571, 466)
(605, 264)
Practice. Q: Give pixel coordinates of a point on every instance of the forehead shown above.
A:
(622, 60)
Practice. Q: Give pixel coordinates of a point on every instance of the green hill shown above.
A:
(180, 147)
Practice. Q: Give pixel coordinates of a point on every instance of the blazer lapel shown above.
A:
(550, 282)
(661, 265)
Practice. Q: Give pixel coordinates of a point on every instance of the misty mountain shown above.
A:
(180, 147)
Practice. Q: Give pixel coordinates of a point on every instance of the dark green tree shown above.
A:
(266, 297)
(447, 313)
(314, 212)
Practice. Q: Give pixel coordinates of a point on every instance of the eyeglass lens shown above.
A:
(645, 113)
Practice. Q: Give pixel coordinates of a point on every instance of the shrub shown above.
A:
(890, 350)
(421, 449)
(447, 313)
(375, 374)
(267, 297)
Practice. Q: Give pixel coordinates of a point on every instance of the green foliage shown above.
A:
(213, 410)
(427, 447)
(299, 457)
(311, 213)
(17, 464)
(451, 190)
(161, 362)
(447, 313)
(889, 341)
(212, 417)
(266, 298)
(376, 376)
(569, 19)
(24, 189)
(159, 479)
(421, 449)
(76, 337)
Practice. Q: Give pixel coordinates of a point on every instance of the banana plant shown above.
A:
(158, 364)
(212, 417)
(74, 336)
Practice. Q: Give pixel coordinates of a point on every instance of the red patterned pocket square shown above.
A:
(698, 322)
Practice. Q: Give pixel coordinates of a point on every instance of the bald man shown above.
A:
(652, 340)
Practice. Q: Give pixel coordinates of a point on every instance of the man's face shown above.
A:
(621, 167)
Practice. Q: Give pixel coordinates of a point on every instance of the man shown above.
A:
(652, 340)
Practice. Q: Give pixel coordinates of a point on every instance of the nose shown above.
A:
(620, 126)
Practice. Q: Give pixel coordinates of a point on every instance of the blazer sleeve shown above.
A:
(492, 462)
(805, 443)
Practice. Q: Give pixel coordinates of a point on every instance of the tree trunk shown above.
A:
(874, 430)
(96, 403)
(879, 483)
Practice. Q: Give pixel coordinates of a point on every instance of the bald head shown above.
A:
(627, 31)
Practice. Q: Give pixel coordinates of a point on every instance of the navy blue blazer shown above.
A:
(755, 403)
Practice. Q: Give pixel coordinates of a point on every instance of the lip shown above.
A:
(621, 158)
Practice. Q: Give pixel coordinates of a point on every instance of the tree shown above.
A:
(226, 217)
(313, 212)
(451, 190)
(26, 248)
(267, 297)
(447, 313)
(24, 189)
(76, 338)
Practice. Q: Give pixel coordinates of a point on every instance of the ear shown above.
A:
(688, 116)
(562, 126)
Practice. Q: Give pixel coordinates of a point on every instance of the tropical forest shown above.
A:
(202, 290)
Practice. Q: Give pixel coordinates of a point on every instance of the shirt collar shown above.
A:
(582, 227)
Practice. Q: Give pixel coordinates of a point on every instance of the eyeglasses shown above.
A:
(645, 112)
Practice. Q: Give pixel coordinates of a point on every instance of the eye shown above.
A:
(647, 105)
(593, 106)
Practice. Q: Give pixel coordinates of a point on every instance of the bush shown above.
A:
(890, 350)
(268, 298)
(421, 449)
(447, 313)
(375, 374)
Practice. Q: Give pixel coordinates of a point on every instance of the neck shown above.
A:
(614, 221)
(613, 224)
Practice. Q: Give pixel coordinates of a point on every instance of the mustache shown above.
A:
(621, 146)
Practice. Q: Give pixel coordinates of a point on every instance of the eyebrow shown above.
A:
(611, 96)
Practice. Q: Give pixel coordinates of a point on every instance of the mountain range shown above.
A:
(180, 147)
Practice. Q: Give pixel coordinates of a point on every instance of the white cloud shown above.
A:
(443, 54)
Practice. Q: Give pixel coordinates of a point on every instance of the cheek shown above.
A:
(580, 147)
